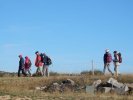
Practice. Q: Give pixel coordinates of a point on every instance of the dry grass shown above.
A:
(25, 86)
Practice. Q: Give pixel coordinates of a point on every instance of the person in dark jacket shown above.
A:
(21, 66)
(107, 60)
(45, 65)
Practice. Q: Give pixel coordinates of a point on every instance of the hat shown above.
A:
(115, 51)
(20, 56)
(107, 50)
(26, 56)
(36, 52)
(44, 54)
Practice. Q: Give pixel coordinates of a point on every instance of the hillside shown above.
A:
(25, 87)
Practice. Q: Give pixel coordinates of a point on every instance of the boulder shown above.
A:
(111, 85)
(68, 82)
(119, 88)
(96, 83)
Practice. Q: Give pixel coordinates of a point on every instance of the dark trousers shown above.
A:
(23, 72)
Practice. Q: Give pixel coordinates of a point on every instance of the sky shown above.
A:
(71, 32)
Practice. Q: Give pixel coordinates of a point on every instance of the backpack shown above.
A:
(120, 58)
(109, 58)
(49, 61)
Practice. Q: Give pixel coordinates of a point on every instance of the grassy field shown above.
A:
(14, 88)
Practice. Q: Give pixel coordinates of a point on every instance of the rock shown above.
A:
(43, 88)
(90, 89)
(71, 82)
(115, 83)
(37, 88)
(111, 85)
(130, 85)
(104, 89)
(68, 81)
(55, 87)
(65, 85)
(96, 83)
(123, 90)
(119, 88)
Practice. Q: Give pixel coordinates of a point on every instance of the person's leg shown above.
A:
(117, 71)
(26, 71)
(19, 72)
(43, 69)
(29, 72)
(47, 72)
(116, 68)
(40, 70)
(104, 68)
(108, 65)
(37, 70)
(23, 72)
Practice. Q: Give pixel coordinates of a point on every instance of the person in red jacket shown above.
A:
(27, 65)
(38, 63)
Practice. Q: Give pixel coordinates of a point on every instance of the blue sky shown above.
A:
(71, 32)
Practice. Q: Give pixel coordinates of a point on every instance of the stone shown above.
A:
(90, 89)
(96, 83)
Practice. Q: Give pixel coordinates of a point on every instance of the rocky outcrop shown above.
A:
(112, 85)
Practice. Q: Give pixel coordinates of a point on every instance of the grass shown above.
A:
(25, 86)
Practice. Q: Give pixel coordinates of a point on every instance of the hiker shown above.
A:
(46, 62)
(38, 64)
(21, 66)
(117, 60)
(27, 65)
(107, 60)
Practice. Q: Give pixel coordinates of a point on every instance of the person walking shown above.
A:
(21, 66)
(38, 64)
(27, 65)
(46, 63)
(107, 60)
(117, 60)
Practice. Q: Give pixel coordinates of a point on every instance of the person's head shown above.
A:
(115, 52)
(20, 56)
(44, 54)
(41, 54)
(37, 52)
(107, 50)
(26, 57)
(119, 54)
